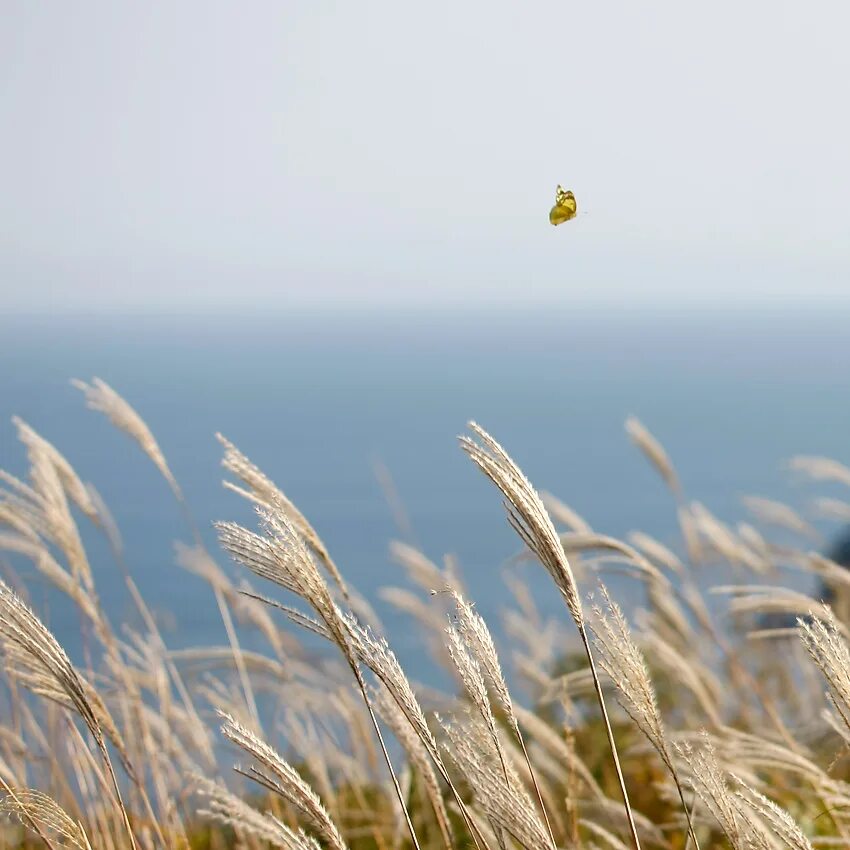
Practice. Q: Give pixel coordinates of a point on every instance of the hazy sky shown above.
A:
(164, 155)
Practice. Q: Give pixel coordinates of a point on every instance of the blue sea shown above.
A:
(319, 401)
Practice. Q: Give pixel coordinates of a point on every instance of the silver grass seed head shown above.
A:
(526, 513)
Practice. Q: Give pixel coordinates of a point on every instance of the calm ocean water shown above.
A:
(315, 402)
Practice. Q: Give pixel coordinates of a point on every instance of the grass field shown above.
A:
(667, 726)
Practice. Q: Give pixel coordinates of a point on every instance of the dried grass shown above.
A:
(527, 515)
(45, 817)
(504, 769)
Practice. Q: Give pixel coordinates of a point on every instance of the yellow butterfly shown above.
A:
(565, 207)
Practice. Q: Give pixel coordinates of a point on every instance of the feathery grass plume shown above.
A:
(525, 601)
(501, 795)
(16, 491)
(362, 608)
(529, 519)
(568, 687)
(659, 459)
(709, 783)
(835, 581)
(624, 663)
(612, 813)
(392, 497)
(23, 635)
(668, 617)
(828, 649)
(263, 491)
(777, 819)
(820, 468)
(45, 507)
(836, 509)
(37, 446)
(695, 601)
(656, 551)
(599, 831)
(526, 513)
(767, 599)
(563, 513)
(534, 667)
(420, 569)
(277, 775)
(756, 543)
(258, 554)
(12, 518)
(476, 688)
(654, 451)
(723, 540)
(207, 659)
(475, 634)
(230, 810)
(771, 512)
(43, 814)
(621, 659)
(106, 521)
(101, 397)
(585, 542)
(283, 557)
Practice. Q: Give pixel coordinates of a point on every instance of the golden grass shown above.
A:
(666, 725)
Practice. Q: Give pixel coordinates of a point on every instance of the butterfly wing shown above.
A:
(559, 214)
(565, 207)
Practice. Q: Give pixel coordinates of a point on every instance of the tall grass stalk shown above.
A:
(528, 517)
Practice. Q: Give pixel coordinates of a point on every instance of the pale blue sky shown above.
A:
(270, 155)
